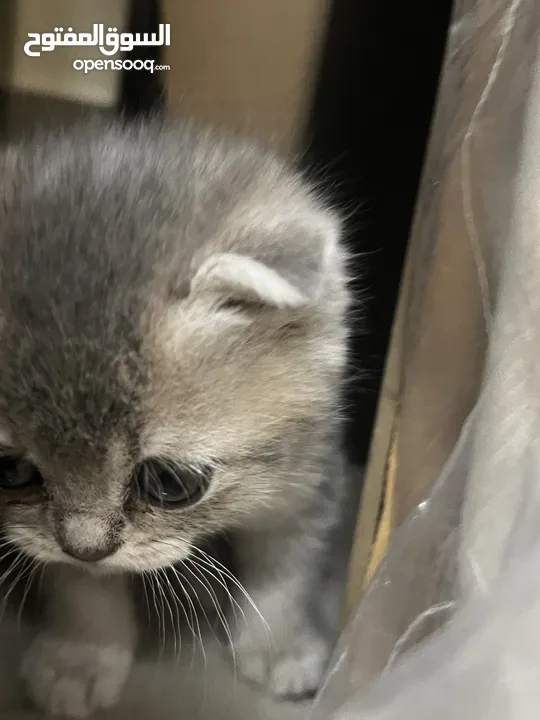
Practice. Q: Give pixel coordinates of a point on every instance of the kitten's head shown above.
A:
(171, 342)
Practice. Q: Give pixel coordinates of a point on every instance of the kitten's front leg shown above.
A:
(81, 661)
(283, 572)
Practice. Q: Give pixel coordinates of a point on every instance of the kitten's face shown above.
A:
(166, 371)
(218, 424)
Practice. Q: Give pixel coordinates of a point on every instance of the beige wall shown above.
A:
(52, 73)
(245, 64)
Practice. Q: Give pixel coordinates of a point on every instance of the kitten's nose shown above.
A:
(89, 554)
(88, 537)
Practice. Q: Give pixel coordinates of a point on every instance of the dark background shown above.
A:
(369, 125)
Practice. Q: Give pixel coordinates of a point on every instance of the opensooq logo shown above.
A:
(109, 43)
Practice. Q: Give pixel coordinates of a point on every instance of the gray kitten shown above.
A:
(173, 342)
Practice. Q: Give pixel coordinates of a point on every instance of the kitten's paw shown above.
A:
(73, 679)
(293, 672)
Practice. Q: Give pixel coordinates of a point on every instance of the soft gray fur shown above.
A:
(165, 293)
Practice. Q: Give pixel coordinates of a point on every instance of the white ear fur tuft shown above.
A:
(241, 277)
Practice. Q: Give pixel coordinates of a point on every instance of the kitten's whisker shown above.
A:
(177, 573)
(213, 562)
(9, 544)
(221, 614)
(207, 585)
(189, 619)
(20, 558)
(147, 599)
(162, 615)
(193, 613)
(235, 605)
(219, 581)
(176, 627)
(44, 566)
(200, 603)
(209, 625)
(159, 618)
(208, 588)
(21, 561)
(233, 601)
(12, 551)
(28, 585)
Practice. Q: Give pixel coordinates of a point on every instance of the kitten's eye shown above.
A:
(17, 473)
(167, 485)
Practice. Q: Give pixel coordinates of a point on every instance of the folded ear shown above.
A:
(241, 278)
(282, 265)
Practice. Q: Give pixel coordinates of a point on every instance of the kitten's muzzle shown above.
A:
(88, 537)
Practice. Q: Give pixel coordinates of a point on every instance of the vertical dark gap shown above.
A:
(367, 136)
(142, 91)
(7, 35)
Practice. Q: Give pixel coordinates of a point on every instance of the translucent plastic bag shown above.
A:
(450, 625)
